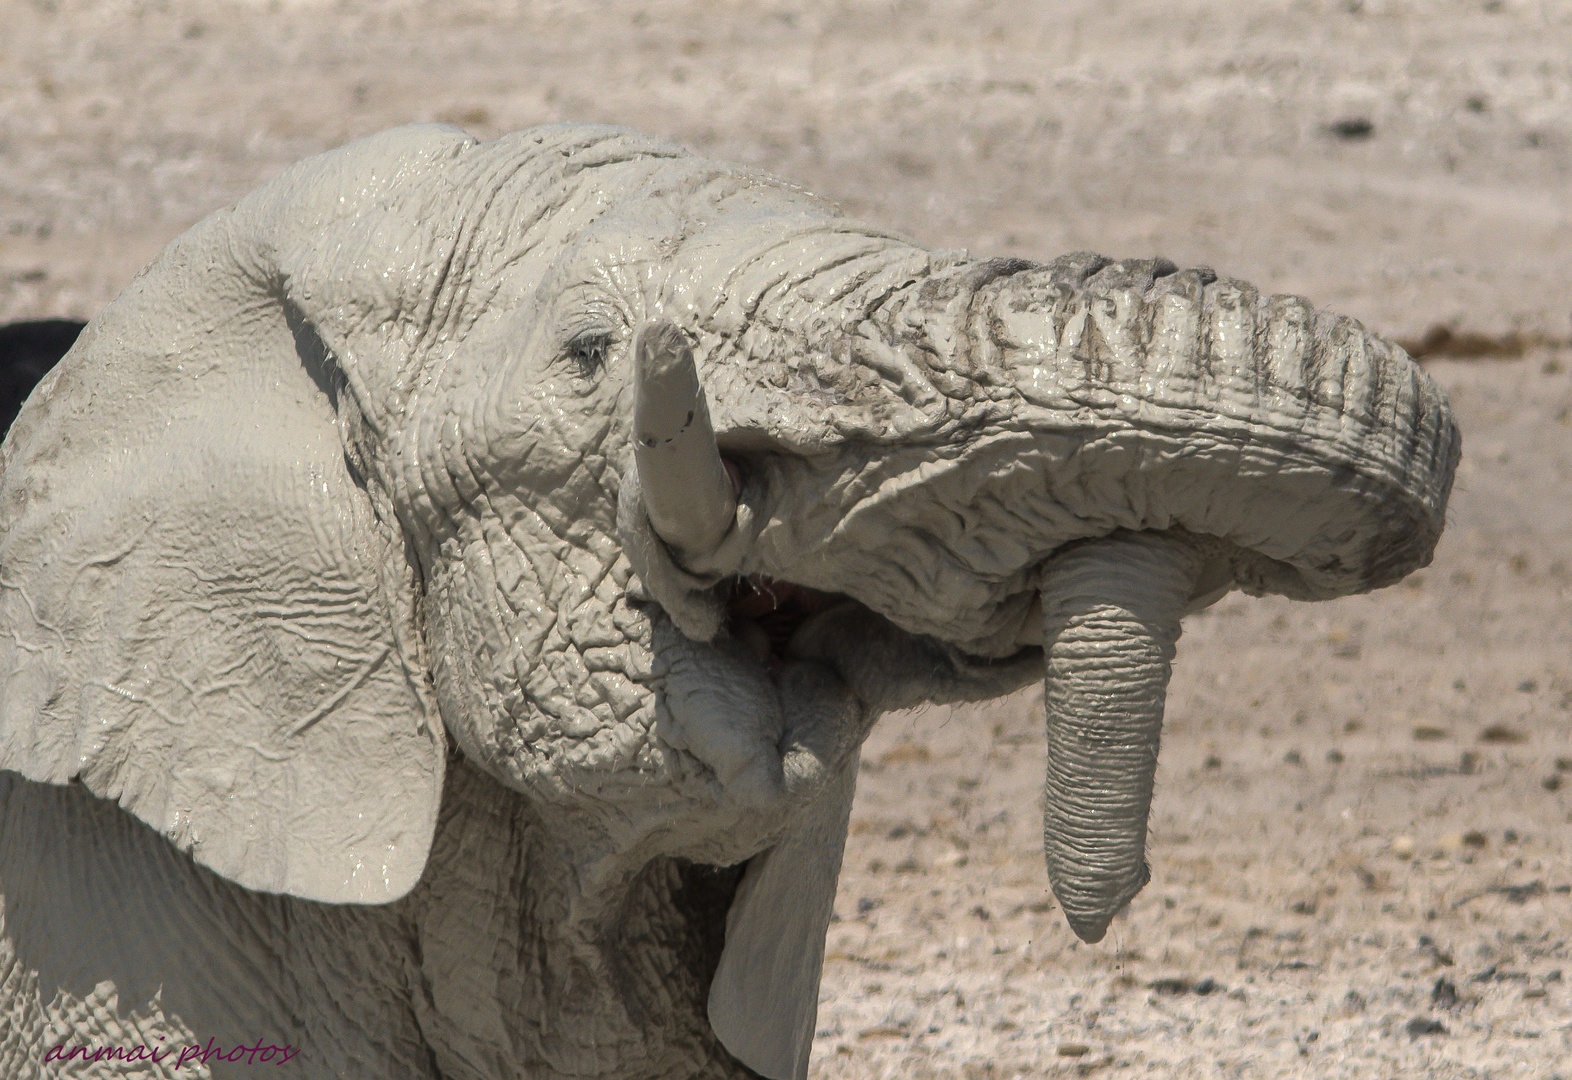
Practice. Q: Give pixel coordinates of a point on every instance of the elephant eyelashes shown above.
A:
(589, 351)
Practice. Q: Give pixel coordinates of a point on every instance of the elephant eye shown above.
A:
(589, 351)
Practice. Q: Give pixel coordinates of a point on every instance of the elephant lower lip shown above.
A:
(764, 613)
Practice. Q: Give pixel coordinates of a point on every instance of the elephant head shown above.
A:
(647, 483)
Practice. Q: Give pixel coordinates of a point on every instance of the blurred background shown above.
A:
(1361, 841)
(1405, 160)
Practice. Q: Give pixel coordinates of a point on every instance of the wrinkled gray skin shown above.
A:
(376, 550)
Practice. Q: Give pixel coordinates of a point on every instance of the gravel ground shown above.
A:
(1361, 840)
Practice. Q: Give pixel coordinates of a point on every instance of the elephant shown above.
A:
(443, 597)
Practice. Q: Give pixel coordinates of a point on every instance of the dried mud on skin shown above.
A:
(1361, 838)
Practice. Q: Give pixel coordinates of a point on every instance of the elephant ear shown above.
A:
(206, 613)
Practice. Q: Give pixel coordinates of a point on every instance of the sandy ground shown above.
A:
(1360, 846)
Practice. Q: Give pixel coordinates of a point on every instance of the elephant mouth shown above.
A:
(764, 614)
(780, 625)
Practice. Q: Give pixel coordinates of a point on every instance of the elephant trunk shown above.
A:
(1074, 454)
(1111, 612)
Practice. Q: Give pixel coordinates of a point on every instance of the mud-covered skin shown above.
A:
(468, 968)
(343, 486)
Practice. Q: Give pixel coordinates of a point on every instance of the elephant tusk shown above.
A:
(689, 495)
(1111, 611)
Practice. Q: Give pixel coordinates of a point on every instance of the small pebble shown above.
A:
(1403, 847)
(1352, 128)
(1073, 1049)
(1423, 1025)
(1552, 782)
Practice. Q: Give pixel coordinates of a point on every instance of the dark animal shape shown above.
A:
(27, 351)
